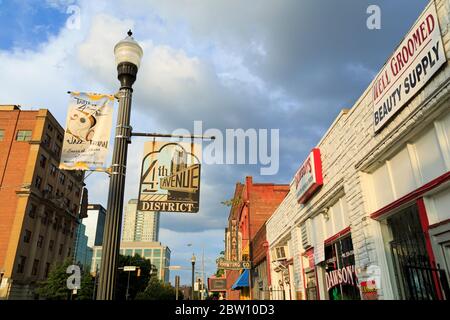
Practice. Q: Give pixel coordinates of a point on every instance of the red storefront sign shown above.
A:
(308, 178)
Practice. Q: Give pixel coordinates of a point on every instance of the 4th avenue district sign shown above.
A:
(170, 177)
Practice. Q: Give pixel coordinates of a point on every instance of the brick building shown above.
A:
(368, 213)
(252, 205)
(39, 202)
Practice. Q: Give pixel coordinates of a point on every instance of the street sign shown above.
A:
(129, 268)
(170, 177)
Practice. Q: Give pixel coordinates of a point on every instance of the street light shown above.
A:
(128, 56)
(193, 272)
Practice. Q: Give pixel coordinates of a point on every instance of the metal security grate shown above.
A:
(416, 278)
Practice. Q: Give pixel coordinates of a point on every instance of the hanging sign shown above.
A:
(416, 60)
(88, 131)
(170, 177)
(233, 265)
(308, 178)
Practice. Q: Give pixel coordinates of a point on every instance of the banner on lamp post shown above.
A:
(88, 131)
(170, 177)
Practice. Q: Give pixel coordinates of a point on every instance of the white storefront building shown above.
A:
(368, 214)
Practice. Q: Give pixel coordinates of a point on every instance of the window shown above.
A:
(40, 241)
(51, 245)
(45, 218)
(59, 137)
(2, 134)
(55, 224)
(340, 259)
(50, 128)
(42, 161)
(70, 186)
(47, 269)
(32, 211)
(38, 182)
(61, 246)
(34, 271)
(99, 253)
(27, 236)
(47, 140)
(49, 189)
(147, 253)
(56, 149)
(69, 251)
(157, 253)
(62, 178)
(53, 169)
(21, 265)
(23, 135)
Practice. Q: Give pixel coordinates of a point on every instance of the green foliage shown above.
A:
(55, 286)
(137, 284)
(157, 290)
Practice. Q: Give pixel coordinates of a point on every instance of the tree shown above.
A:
(137, 284)
(220, 272)
(158, 290)
(55, 286)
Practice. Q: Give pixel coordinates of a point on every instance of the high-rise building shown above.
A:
(83, 253)
(158, 254)
(139, 225)
(39, 203)
(95, 224)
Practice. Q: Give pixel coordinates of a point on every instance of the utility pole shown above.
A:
(177, 286)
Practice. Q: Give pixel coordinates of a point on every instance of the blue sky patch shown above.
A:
(26, 24)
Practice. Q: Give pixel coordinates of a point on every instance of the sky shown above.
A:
(290, 65)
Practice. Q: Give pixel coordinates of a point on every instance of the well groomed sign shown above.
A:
(416, 60)
(170, 177)
(88, 130)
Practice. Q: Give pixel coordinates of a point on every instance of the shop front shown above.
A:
(340, 273)
(405, 171)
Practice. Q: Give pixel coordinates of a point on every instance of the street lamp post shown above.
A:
(128, 56)
(193, 276)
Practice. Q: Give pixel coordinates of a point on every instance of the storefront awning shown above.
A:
(242, 281)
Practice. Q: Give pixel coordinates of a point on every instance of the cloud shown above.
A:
(284, 64)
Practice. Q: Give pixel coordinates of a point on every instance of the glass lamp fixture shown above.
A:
(128, 51)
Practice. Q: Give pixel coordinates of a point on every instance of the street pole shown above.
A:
(128, 286)
(128, 54)
(177, 286)
(193, 276)
(203, 274)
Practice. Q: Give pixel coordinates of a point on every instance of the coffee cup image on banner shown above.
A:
(170, 177)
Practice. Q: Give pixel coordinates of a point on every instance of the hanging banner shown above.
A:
(88, 130)
(413, 64)
(170, 177)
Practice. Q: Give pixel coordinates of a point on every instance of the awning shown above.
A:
(242, 281)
